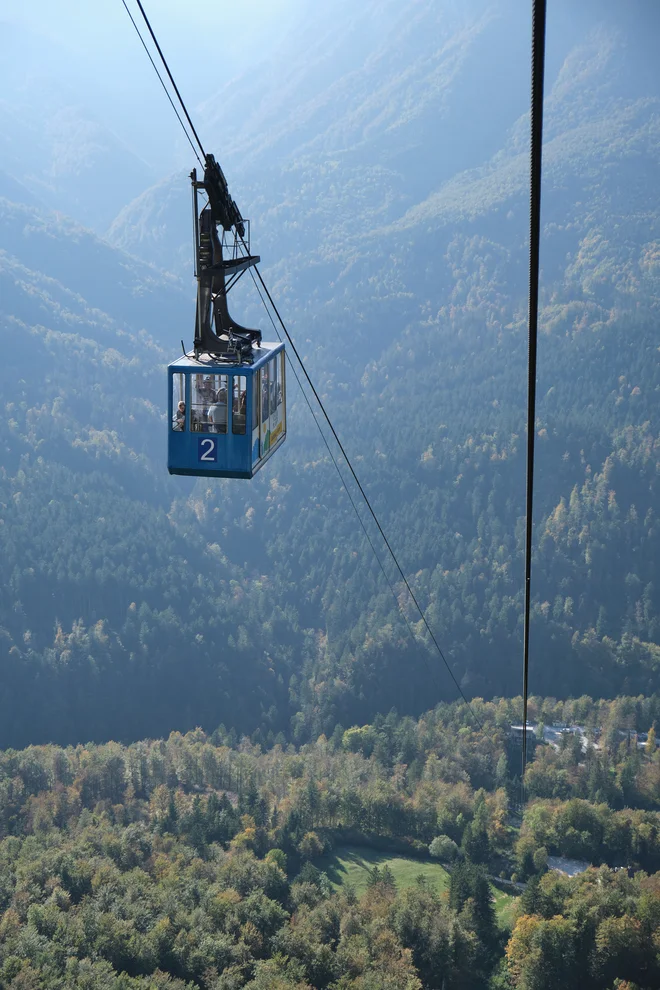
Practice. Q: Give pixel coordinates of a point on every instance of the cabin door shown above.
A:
(264, 436)
(255, 385)
(276, 419)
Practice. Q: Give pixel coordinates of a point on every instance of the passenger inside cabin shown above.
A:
(180, 419)
(206, 390)
(217, 414)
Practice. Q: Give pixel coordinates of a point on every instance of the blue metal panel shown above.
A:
(220, 455)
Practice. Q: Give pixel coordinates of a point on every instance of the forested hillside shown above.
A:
(386, 183)
(101, 589)
(193, 862)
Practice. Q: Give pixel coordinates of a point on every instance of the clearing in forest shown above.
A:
(353, 864)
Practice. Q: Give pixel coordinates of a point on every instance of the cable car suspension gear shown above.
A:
(216, 332)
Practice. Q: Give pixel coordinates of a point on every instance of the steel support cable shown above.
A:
(366, 499)
(341, 476)
(167, 69)
(162, 82)
(310, 382)
(333, 458)
(536, 158)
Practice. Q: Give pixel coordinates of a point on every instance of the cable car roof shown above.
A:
(260, 355)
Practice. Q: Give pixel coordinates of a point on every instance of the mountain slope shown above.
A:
(54, 139)
(101, 589)
(261, 605)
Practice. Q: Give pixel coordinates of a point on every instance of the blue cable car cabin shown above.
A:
(226, 419)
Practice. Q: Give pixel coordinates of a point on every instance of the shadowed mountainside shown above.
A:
(405, 284)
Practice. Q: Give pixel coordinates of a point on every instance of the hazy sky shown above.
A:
(205, 43)
(218, 29)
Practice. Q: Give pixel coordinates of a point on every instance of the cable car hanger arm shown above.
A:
(224, 210)
(216, 332)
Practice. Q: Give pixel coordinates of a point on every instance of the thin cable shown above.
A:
(366, 498)
(309, 380)
(167, 69)
(334, 461)
(536, 159)
(350, 497)
(167, 94)
(333, 458)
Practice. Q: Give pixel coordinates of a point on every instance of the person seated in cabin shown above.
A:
(206, 390)
(180, 417)
(217, 414)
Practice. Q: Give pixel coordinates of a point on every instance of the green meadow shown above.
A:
(352, 865)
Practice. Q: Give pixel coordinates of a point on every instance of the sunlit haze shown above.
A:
(205, 44)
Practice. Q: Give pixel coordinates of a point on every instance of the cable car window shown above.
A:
(239, 401)
(208, 403)
(279, 364)
(274, 385)
(276, 419)
(178, 403)
(255, 403)
(264, 394)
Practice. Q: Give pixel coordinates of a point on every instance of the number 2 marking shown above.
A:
(207, 450)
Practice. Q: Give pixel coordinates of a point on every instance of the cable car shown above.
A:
(226, 420)
(227, 396)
